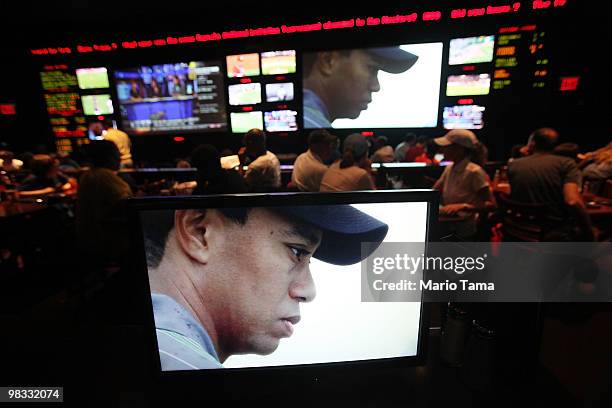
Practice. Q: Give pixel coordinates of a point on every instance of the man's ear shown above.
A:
(326, 61)
(190, 231)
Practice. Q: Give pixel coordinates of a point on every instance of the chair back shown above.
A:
(522, 222)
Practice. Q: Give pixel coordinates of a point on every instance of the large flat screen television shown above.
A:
(266, 290)
(278, 62)
(184, 96)
(462, 85)
(92, 78)
(242, 65)
(244, 94)
(471, 50)
(463, 117)
(242, 122)
(100, 104)
(278, 92)
(281, 120)
(387, 87)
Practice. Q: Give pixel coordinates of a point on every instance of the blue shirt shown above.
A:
(182, 341)
(316, 115)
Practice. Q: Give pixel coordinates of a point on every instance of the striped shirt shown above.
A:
(182, 341)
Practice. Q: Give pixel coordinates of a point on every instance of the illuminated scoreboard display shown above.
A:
(62, 101)
(521, 58)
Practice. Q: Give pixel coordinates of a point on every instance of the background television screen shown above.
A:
(169, 97)
(404, 100)
(244, 94)
(92, 78)
(97, 104)
(471, 50)
(242, 122)
(463, 117)
(242, 65)
(281, 121)
(282, 91)
(460, 85)
(278, 62)
(337, 312)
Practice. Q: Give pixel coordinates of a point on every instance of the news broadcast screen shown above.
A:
(277, 92)
(169, 97)
(278, 62)
(92, 78)
(471, 50)
(244, 94)
(243, 65)
(463, 117)
(387, 87)
(242, 122)
(461, 85)
(97, 104)
(281, 121)
(288, 292)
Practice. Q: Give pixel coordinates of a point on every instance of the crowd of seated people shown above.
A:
(540, 172)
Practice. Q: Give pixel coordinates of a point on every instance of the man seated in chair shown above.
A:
(552, 180)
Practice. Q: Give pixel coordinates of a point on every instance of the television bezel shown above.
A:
(254, 380)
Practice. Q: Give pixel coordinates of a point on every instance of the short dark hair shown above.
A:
(545, 139)
(104, 153)
(320, 136)
(570, 150)
(158, 224)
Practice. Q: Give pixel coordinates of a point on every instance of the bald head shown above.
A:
(544, 139)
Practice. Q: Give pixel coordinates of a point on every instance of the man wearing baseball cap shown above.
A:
(464, 184)
(230, 280)
(339, 84)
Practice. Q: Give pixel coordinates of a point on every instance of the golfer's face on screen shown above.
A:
(357, 79)
(262, 277)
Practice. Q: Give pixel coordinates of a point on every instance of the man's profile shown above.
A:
(339, 84)
(230, 280)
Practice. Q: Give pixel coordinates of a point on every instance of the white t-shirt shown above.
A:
(264, 173)
(347, 179)
(308, 171)
(461, 182)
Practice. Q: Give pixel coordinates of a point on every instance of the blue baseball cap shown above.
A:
(344, 228)
(393, 59)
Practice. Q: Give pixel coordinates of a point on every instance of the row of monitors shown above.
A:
(191, 96)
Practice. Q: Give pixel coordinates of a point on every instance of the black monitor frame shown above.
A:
(259, 382)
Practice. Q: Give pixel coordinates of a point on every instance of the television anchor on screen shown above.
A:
(230, 280)
(339, 84)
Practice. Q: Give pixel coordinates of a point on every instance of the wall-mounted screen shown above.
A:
(278, 62)
(388, 87)
(460, 85)
(169, 97)
(471, 50)
(242, 122)
(242, 65)
(92, 78)
(282, 91)
(463, 117)
(281, 121)
(244, 94)
(97, 104)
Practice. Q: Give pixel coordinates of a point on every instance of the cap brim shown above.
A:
(345, 229)
(393, 59)
(442, 141)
